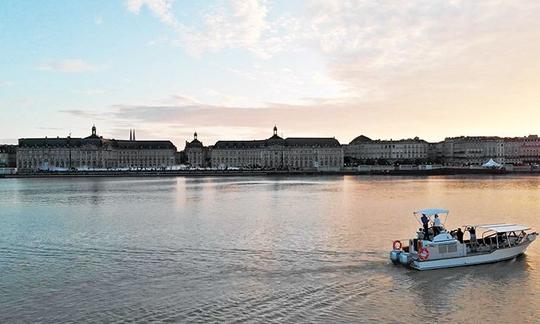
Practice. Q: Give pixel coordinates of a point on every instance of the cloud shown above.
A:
(90, 92)
(239, 24)
(465, 66)
(160, 8)
(394, 49)
(234, 24)
(85, 114)
(98, 20)
(6, 83)
(160, 120)
(10, 141)
(69, 66)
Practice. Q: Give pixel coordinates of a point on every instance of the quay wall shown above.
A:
(236, 173)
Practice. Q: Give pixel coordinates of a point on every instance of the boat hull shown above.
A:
(475, 259)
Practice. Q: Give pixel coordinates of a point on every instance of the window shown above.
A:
(448, 248)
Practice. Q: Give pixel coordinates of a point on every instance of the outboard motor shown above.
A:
(405, 259)
(394, 256)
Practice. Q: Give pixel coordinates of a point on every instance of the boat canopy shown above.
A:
(504, 228)
(431, 211)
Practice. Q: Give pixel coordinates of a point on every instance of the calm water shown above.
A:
(253, 249)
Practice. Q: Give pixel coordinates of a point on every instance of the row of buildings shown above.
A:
(458, 151)
(275, 153)
(93, 152)
(97, 153)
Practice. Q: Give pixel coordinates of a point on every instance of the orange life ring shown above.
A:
(397, 245)
(423, 254)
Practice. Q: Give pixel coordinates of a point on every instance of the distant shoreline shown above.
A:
(237, 173)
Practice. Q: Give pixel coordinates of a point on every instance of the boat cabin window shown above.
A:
(448, 248)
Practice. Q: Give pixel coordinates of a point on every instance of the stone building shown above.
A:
(196, 153)
(522, 150)
(8, 156)
(473, 150)
(93, 152)
(363, 149)
(276, 153)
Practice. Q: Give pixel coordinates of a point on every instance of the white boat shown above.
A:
(487, 243)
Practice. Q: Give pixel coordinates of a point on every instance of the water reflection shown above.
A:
(273, 249)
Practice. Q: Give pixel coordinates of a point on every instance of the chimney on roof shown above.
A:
(133, 134)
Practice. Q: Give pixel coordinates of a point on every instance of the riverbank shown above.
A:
(236, 173)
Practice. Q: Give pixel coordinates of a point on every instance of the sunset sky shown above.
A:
(234, 69)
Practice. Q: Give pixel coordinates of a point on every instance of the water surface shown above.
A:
(265, 249)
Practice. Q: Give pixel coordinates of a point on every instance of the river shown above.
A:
(263, 249)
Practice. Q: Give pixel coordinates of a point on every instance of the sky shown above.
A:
(232, 69)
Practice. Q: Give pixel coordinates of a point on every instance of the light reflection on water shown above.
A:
(253, 248)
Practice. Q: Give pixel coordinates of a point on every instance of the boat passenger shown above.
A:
(459, 235)
(437, 226)
(522, 236)
(472, 232)
(425, 223)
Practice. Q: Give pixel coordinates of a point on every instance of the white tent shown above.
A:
(491, 164)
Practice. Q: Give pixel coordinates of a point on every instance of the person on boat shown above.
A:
(472, 233)
(425, 223)
(459, 235)
(437, 225)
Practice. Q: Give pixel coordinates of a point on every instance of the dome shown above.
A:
(360, 139)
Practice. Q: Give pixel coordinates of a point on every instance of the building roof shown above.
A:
(366, 140)
(312, 141)
(276, 140)
(194, 144)
(360, 139)
(147, 145)
(50, 142)
(239, 144)
(94, 140)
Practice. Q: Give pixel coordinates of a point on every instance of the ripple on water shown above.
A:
(251, 250)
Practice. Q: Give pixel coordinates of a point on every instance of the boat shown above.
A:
(440, 248)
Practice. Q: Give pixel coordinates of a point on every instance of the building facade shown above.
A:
(8, 156)
(364, 150)
(92, 153)
(453, 151)
(473, 150)
(276, 153)
(196, 153)
(522, 150)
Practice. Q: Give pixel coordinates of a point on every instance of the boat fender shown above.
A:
(397, 245)
(423, 255)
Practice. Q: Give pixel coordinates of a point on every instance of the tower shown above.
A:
(94, 130)
(275, 130)
(195, 136)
